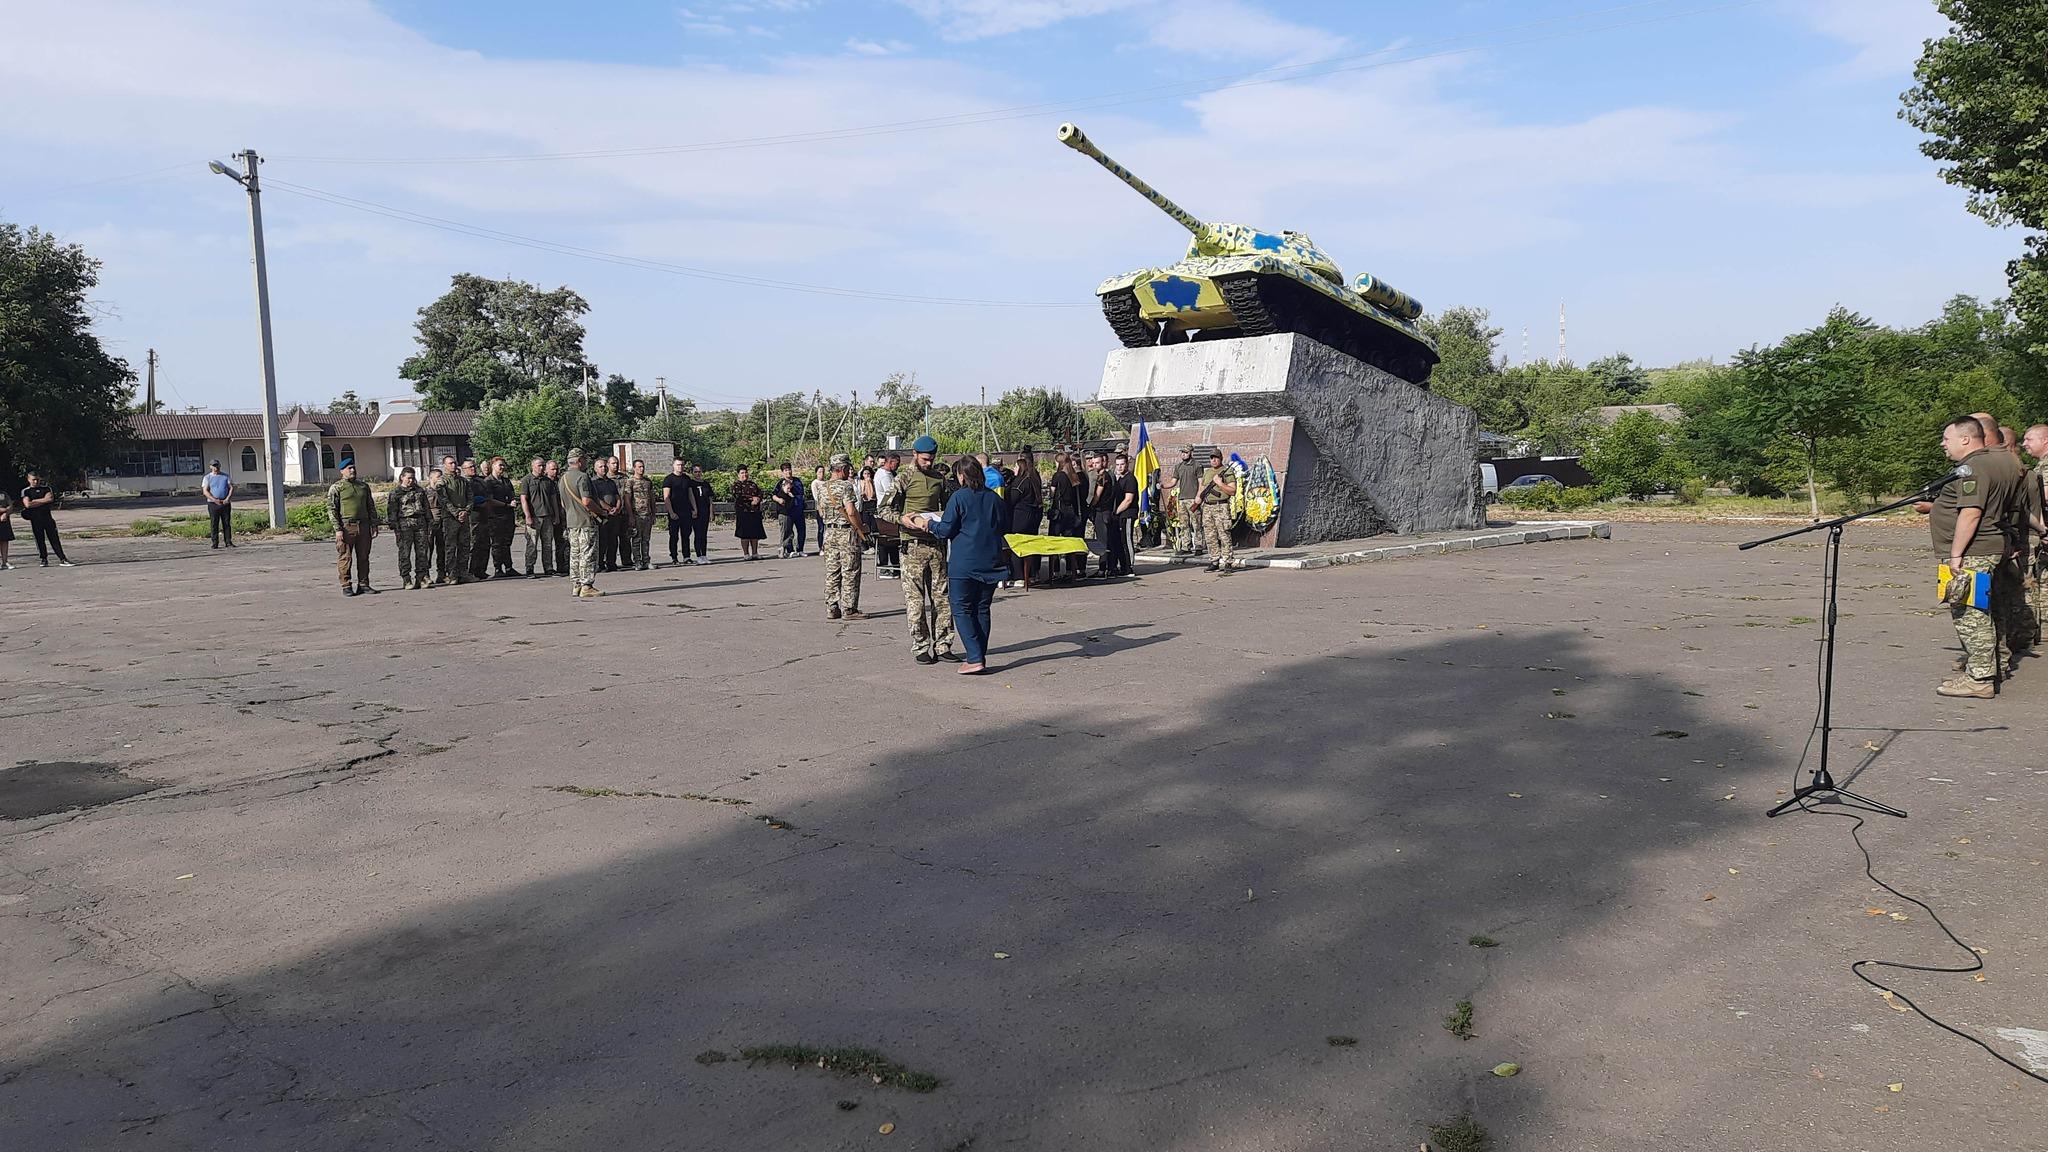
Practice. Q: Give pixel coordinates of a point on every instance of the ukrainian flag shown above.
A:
(1143, 465)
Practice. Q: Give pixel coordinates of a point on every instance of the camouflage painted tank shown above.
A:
(1239, 281)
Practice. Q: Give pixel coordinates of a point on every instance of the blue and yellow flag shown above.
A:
(1143, 465)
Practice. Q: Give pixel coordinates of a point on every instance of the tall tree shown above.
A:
(1811, 387)
(1470, 371)
(63, 400)
(547, 421)
(346, 402)
(626, 401)
(1980, 97)
(487, 339)
(1624, 379)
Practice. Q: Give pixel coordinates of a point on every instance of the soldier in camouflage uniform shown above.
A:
(842, 543)
(455, 500)
(1219, 484)
(580, 515)
(411, 517)
(1969, 521)
(352, 509)
(923, 488)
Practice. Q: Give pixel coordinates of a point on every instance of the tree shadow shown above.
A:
(1126, 927)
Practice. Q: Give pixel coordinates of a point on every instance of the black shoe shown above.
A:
(927, 658)
(231, 543)
(643, 567)
(216, 545)
(366, 590)
(950, 657)
(347, 591)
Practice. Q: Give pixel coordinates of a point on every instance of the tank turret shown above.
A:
(1236, 280)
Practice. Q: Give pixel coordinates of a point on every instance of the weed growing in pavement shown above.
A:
(1461, 1135)
(1459, 1022)
(844, 1062)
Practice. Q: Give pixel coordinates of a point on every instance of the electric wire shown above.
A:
(1870, 870)
(1280, 74)
(480, 232)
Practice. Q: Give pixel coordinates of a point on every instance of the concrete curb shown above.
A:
(1527, 533)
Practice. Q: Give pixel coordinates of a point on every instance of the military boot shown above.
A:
(1968, 688)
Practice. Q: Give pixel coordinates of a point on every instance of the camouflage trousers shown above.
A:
(415, 553)
(1216, 532)
(1977, 628)
(924, 598)
(583, 557)
(544, 539)
(454, 552)
(2037, 593)
(1192, 538)
(2021, 600)
(842, 570)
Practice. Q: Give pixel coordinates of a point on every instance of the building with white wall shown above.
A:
(170, 450)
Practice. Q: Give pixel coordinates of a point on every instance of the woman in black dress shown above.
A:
(1067, 519)
(1026, 494)
(746, 515)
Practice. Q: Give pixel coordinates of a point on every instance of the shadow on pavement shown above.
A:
(1187, 904)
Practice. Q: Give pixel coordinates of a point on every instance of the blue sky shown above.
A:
(1688, 176)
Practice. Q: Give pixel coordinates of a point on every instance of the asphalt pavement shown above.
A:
(1204, 865)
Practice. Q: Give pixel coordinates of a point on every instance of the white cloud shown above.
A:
(866, 47)
(1885, 35)
(1228, 28)
(981, 19)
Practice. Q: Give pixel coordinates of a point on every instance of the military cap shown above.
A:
(925, 444)
(839, 460)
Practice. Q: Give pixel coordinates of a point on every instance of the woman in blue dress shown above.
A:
(974, 520)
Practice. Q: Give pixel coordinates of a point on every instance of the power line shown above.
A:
(480, 232)
(1329, 66)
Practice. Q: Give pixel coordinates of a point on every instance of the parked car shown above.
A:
(1533, 479)
(1489, 482)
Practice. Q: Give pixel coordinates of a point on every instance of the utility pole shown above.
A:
(984, 419)
(1560, 334)
(273, 445)
(767, 431)
(588, 371)
(661, 391)
(149, 396)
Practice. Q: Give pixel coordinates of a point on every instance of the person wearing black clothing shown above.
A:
(679, 501)
(604, 492)
(1125, 507)
(38, 503)
(1026, 496)
(1102, 514)
(700, 491)
(1064, 511)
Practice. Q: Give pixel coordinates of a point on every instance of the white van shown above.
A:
(1489, 483)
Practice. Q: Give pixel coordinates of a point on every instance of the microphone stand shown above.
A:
(1823, 784)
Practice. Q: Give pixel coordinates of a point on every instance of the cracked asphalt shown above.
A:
(1119, 895)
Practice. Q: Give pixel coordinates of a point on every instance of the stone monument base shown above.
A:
(1358, 451)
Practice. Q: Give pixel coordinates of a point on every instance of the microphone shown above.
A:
(1959, 472)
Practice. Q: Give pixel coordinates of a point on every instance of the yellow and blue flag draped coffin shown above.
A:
(1025, 546)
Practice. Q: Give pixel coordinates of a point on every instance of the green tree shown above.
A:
(627, 402)
(489, 339)
(1036, 416)
(64, 402)
(1556, 405)
(547, 421)
(346, 402)
(1469, 370)
(1715, 439)
(677, 427)
(899, 409)
(1624, 379)
(1810, 388)
(1980, 96)
(1635, 456)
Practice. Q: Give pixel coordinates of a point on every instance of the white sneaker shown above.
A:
(61, 563)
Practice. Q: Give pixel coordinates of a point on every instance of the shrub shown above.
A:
(1692, 491)
(1573, 499)
(146, 527)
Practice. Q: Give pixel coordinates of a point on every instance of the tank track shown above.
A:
(1121, 310)
(1268, 305)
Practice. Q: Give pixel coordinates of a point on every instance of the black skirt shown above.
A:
(1024, 519)
(746, 524)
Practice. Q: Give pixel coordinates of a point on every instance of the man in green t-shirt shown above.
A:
(1969, 521)
(579, 515)
(352, 509)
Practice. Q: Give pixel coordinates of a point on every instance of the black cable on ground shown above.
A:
(1869, 869)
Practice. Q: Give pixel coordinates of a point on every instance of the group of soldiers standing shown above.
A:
(1988, 526)
(458, 526)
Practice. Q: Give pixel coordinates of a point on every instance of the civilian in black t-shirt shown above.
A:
(678, 499)
(39, 504)
(604, 492)
(1123, 504)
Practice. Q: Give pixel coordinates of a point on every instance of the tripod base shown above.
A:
(1824, 787)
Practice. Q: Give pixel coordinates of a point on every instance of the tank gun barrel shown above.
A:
(1074, 138)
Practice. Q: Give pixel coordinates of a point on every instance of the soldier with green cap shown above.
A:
(842, 543)
(411, 517)
(922, 489)
(352, 509)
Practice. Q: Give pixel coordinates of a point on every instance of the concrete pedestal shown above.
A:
(1358, 451)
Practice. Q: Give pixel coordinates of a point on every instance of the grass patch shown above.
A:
(1461, 1135)
(1459, 1022)
(1342, 1041)
(145, 527)
(844, 1062)
(712, 1056)
(1482, 940)
(601, 793)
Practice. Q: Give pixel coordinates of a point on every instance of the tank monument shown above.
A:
(1253, 342)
